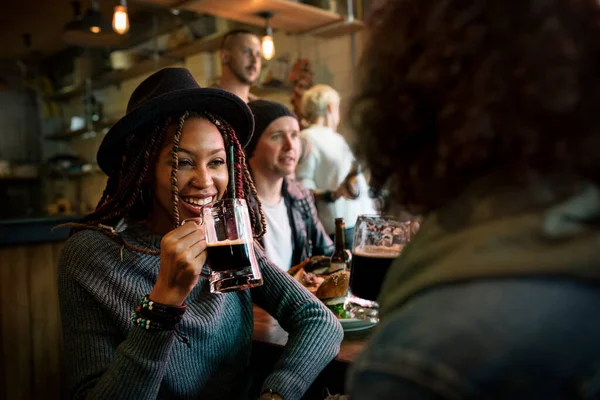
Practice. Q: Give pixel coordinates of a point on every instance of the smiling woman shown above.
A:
(201, 177)
(165, 160)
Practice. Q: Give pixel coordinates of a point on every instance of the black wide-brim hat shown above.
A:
(165, 93)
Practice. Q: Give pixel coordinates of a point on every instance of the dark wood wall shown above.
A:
(30, 330)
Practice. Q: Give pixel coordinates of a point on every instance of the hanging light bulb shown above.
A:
(268, 45)
(89, 30)
(94, 18)
(120, 22)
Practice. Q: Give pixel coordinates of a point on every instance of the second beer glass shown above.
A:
(378, 241)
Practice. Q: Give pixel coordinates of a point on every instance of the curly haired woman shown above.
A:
(165, 159)
(484, 117)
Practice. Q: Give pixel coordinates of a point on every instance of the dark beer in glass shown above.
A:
(369, 267)
(228, 255)
(229, 246)
(378, 241)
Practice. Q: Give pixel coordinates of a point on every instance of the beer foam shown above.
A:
(227, 242)
(378, 251)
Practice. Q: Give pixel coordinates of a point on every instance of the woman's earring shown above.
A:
(145, 195)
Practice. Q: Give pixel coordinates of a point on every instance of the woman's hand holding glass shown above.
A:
(182, 256)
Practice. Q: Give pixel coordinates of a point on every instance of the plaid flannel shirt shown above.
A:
(308, 235)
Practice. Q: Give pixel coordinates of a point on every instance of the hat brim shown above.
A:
(218, 102)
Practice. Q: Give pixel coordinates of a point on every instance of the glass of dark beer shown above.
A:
(378, 241)
(230, 246)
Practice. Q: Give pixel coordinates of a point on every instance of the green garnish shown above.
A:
(338, 309)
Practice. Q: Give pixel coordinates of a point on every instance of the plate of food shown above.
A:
(330, 288)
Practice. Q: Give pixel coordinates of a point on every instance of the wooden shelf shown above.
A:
(262, 91)
(118, 76)
(68, 135)
(339, 28)
(94, 169)
(11, 178)
(68, 92)
(288, 16)
(207, 44)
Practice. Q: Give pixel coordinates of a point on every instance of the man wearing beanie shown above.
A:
(294, 231)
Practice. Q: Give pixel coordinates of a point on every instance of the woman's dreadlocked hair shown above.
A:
(123, 195)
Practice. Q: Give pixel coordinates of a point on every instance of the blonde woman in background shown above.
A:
(325, 168)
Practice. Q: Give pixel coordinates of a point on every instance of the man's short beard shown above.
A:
(240, 76)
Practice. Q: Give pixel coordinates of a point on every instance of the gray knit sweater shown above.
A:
(108, 358)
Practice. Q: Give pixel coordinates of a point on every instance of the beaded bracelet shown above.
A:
(159, 308)
(159, 312)
(154, 326)
(156, 316)
(151, 325)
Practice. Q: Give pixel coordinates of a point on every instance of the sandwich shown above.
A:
(316, 265)
(308, 280)
(332, 292)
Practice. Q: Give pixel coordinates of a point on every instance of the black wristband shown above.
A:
(328, 196)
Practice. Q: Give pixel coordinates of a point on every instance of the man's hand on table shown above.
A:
(270, 396)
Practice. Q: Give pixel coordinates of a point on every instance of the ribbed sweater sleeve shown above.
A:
(101, 363)
(315, 333)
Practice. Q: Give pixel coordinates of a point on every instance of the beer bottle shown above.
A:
(339, 258)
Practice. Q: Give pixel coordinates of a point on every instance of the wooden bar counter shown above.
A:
(30, 328)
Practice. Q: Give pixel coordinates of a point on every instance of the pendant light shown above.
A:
(120, 22)
(268, 45)
(94, 18)
(89, 30)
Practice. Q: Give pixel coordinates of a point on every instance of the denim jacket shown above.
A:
(534, 339)
(492, 299)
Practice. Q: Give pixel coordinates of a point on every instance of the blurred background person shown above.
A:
(483, 116)
(294, 231)
(328, 168)
(240, 63)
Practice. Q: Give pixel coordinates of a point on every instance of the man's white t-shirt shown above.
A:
(278, 239)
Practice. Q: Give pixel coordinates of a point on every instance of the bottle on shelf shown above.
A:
(340, 259)
(95, 108)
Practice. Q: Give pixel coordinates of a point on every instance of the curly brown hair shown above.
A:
(453, 90)
(123, 195)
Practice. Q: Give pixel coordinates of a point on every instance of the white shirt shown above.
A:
(278, 238)
(325, 168)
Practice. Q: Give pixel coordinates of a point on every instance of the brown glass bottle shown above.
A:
(340, 258)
